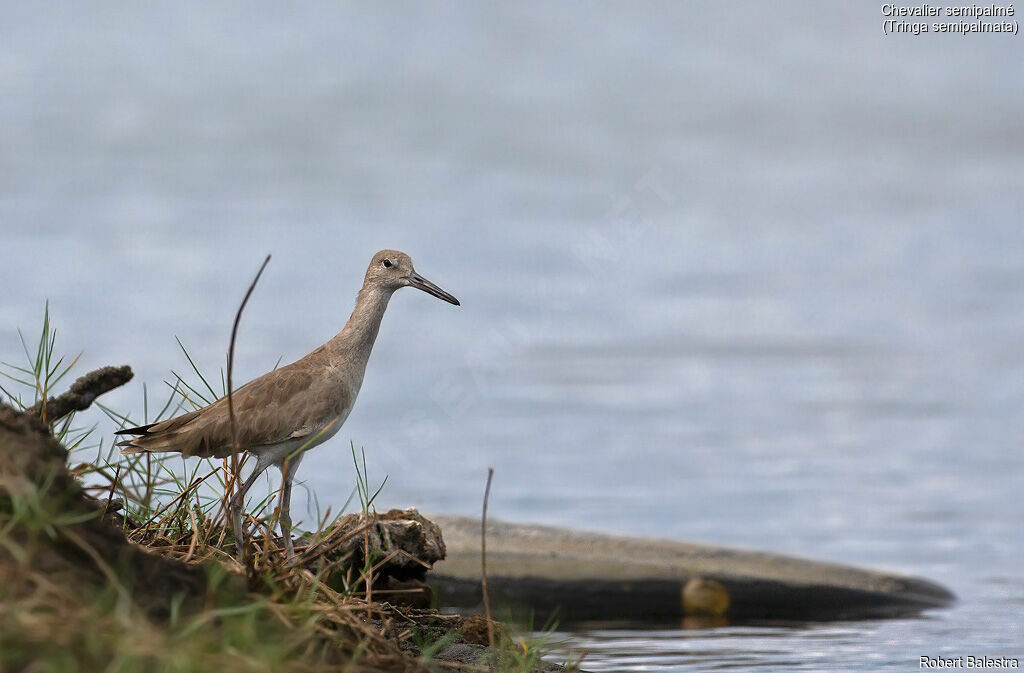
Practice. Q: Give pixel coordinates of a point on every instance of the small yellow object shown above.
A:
(705, 597)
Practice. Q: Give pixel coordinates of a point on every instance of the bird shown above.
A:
(288, 411)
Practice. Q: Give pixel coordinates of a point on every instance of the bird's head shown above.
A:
(391, 269)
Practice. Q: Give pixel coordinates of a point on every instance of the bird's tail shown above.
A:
(128, 449)
(128, 446)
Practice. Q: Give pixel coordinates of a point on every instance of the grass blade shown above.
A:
(195, 369)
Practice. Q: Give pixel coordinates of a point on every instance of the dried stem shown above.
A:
(483, 559)
(235, 467)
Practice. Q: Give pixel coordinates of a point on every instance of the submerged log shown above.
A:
(582, 576)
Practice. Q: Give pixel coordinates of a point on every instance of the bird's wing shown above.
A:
(287, 403)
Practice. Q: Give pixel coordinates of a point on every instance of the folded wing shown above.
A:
(286, 403)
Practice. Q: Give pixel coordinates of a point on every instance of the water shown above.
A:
(749, 276)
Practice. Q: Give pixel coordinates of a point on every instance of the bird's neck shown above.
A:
(353, 344)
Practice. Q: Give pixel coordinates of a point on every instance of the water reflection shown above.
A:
(698, 645)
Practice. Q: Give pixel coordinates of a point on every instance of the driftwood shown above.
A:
(402, 541)
(82, 393)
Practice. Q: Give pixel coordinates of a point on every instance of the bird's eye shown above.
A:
(386, 263)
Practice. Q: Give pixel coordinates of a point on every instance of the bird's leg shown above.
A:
(288, 468)
(236, 504)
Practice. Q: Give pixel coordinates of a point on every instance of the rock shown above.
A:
(479, 657)
(462, 653)
(475, 631)
(705, 597)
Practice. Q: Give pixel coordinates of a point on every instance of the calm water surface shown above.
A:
(750, 277)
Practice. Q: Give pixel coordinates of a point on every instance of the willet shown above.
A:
(288, 411)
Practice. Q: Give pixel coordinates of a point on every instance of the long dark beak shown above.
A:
(422, 283)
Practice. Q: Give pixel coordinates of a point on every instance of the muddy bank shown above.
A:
(63, 533)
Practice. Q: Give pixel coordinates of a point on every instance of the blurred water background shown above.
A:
(749, 274)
